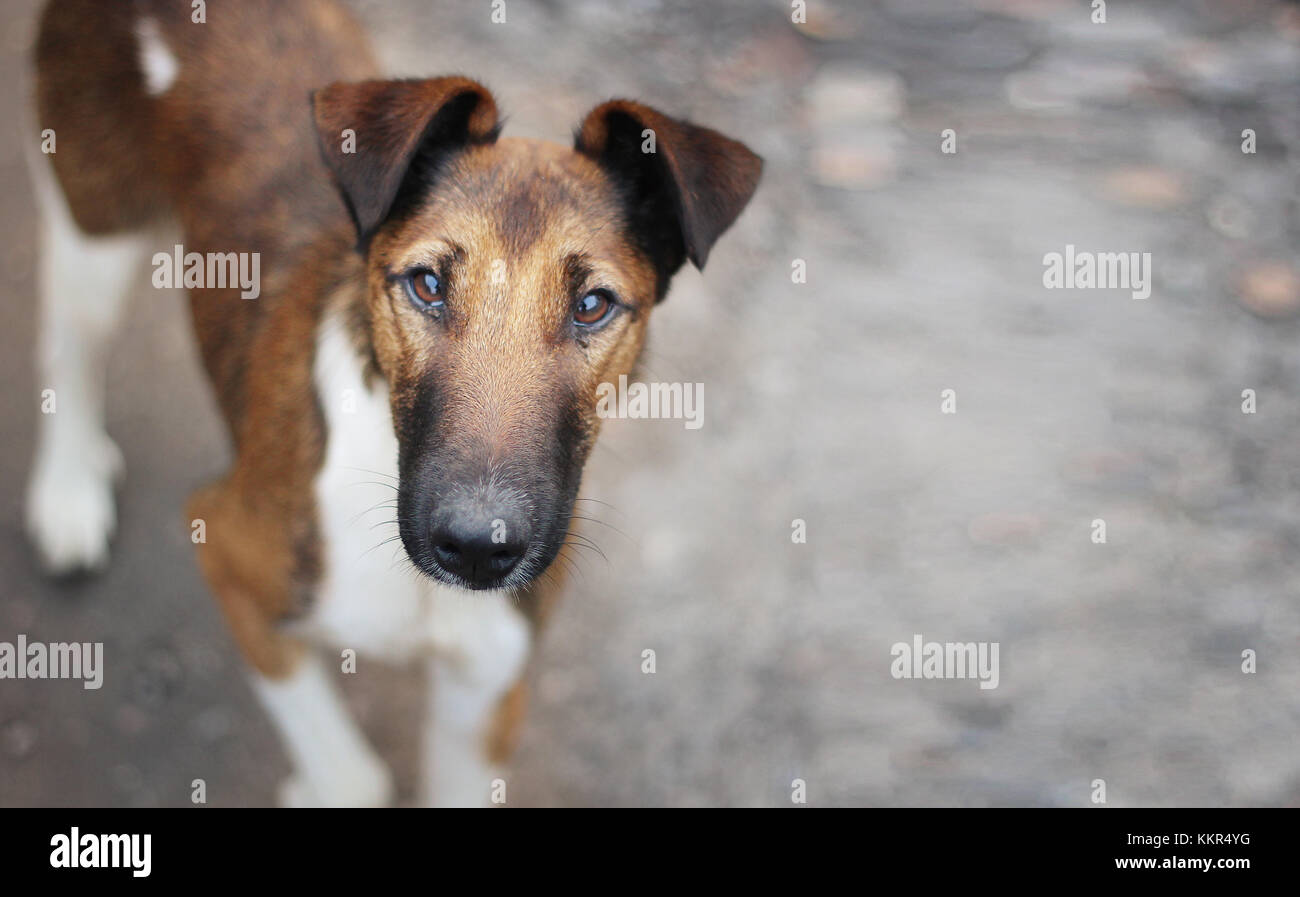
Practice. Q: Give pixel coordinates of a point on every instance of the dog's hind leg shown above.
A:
(84, 282)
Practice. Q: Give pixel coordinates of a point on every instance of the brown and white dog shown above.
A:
(437, 307)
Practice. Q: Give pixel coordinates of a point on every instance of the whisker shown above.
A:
(372, 483)
(605, 503)
(570, 564)
(386, 503)
(603, 523)
(378, 473)
(589, 548)
(586, 543)
(381, 544)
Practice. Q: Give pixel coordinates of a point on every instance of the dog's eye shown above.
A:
(592, 309)
(424, 289)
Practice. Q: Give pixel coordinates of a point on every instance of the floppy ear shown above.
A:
(683, 184)
(374, 133)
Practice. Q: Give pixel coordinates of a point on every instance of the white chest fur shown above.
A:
(369, 598)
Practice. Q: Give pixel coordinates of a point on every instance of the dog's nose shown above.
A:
(481, 545)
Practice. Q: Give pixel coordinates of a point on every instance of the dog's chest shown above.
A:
(369, 597)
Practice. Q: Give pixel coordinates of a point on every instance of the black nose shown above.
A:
(480, 544)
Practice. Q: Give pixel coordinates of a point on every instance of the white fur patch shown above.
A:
(157, 62)
(70, 506)
(369, 599)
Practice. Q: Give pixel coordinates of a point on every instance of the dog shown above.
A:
(437, 307)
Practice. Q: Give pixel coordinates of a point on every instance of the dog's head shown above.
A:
(507, 279)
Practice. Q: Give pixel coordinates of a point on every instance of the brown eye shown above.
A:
(593, 309)
(424, 289)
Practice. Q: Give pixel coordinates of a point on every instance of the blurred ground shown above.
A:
(1119, 661)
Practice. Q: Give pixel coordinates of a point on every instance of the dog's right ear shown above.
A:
(376, 134)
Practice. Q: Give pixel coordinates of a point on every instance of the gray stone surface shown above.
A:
(1119, 661)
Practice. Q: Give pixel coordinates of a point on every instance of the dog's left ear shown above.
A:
(374, 134)
(683, 184)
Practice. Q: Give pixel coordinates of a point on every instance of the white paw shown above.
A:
(70, 507)
(364, 785)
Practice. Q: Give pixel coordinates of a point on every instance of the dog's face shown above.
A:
(496, 308)
(508, 279)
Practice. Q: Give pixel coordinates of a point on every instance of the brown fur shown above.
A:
(235, 151)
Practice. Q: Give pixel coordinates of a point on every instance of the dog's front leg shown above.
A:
(333, 764)
(480, 646)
